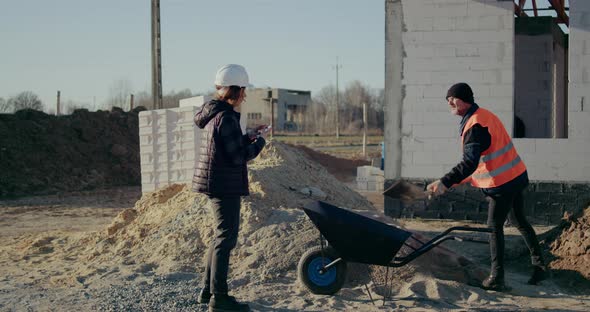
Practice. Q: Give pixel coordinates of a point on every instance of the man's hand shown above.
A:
(435, 188)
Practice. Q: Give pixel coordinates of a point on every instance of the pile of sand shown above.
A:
(572, 245)
(169, 230)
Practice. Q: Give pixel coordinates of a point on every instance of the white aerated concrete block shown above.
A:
(375, 186)
(369, 178)
(169, 144)
(364, 172)
(362, 185)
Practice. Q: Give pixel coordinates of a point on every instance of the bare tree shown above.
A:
(378, 109)
(172, 99)
(325, 102)
(4, 106)
(379, 99)
(313, 118)
(144, 99)
(23, 100)
(355, 94)
(119, 94)
(70, 106)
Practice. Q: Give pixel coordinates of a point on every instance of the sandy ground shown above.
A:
(90, 211)
(31, 228)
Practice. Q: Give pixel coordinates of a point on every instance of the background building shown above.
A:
(288, 108)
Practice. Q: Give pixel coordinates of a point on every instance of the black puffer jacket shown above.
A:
(221, 166)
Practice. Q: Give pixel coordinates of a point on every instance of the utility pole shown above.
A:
(365, 129)
(58, 111)
(131, 102)
(337, 105)
(156, 56)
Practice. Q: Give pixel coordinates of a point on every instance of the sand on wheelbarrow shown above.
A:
(169, 230)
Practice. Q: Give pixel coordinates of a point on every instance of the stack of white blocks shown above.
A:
(369, 178)
(169, 144)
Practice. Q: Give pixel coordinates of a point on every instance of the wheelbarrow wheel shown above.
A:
(308, 270)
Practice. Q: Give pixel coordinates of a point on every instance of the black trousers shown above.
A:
(226, 214)
(509, 205)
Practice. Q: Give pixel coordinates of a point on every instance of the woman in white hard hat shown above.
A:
(221, 173)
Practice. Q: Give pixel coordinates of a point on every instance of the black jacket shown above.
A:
(221, 168)
(476, 140)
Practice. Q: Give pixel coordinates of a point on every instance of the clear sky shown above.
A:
(83, 47)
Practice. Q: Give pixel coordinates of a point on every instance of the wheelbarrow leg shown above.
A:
(387, 292)
(367, 287)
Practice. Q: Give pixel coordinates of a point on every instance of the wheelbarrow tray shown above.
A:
(355, 237)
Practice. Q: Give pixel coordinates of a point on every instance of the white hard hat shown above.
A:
(231, 75)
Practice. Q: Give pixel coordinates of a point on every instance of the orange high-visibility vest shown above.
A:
(499, 163)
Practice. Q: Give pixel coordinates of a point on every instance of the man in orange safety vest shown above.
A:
(490, 162)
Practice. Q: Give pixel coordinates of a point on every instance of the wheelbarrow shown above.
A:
(352, 237)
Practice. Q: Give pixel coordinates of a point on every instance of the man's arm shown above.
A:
(477, 139)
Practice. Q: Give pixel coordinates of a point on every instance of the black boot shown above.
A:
(225, 303)
(204, 296)
(494, 282)
(539, 274)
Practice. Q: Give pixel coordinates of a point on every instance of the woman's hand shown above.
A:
(263, 131)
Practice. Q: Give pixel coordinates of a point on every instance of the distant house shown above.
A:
(288, 108)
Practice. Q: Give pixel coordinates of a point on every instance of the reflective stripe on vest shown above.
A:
(497, 172)
(500, 163)
(497, 153)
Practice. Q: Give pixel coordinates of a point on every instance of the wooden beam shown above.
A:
(518, 11)
(521, 4)
(559, 7)
(535, 8)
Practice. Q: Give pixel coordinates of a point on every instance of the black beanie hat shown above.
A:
(461, 91)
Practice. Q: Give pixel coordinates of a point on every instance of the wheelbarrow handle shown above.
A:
(437, 240)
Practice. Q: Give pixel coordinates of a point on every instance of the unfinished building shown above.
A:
(522, 68)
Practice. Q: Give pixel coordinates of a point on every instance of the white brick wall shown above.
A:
(579, 70)
(169, 144)
(555, 159)
(460, 40)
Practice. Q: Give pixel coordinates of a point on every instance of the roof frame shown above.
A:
(556, 5)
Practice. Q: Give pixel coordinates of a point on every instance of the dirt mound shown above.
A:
(45, 154)
(570, 244)
(343, 169)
